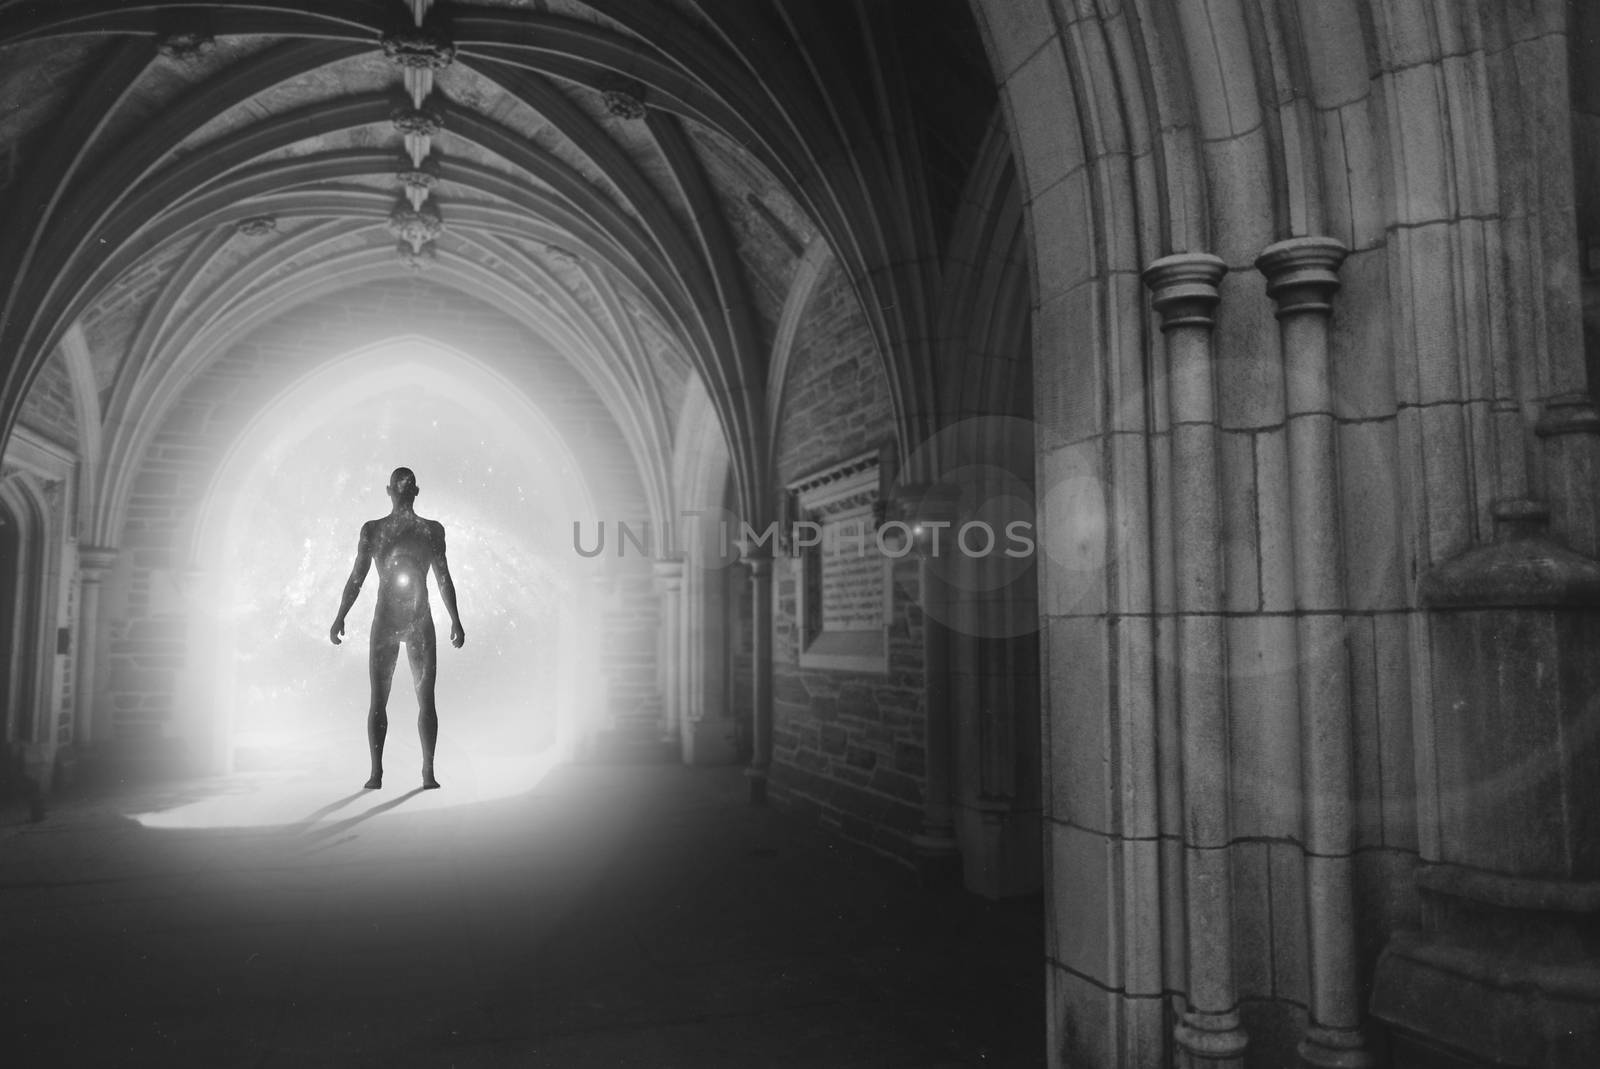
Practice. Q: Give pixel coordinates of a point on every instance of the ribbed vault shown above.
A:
(636, 184)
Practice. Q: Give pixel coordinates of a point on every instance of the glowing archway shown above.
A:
(522, 447)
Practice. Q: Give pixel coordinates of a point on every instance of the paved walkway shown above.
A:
(614, 916)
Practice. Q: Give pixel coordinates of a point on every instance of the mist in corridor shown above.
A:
(299, 704)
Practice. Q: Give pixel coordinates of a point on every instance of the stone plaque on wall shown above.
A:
(851, 571)
(844, 577)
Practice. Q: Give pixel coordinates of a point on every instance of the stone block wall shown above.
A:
(48, 407)
(847, 745)
(1586, 167)
(1242, 719)
(67, 663)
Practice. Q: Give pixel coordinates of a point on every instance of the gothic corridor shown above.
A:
(925, 533)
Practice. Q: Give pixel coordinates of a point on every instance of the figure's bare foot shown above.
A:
(374, 783)
(428, 782)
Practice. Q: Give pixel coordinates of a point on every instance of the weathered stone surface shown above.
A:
(1522, 573)
(1079, 735)
(1252, 900)
(1055, 131)
(909, 758)
(1514, 740)
(1478, 1006)
(1083, 889)
(790, 688)
(1264, 727)
(1015, 32)
(906, 788)
(49, 407)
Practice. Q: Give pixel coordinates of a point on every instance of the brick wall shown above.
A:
(847, 746)
(48, 407)
(145, 631)
(67, 665)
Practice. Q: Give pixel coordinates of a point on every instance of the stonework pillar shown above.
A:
(1302, 276)
(93, 564)
(594, 718)
(708, 729)
(932, 515)
(669, 581)
(200, 707)
(759, 560)
(1184, 293)
(1504, 969)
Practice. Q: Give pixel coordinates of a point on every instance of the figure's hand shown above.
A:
(457, 636)
(336, 630)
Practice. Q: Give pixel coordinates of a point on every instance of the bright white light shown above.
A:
(281, 699)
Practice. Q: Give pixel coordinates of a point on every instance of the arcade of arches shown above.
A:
(1269, 316)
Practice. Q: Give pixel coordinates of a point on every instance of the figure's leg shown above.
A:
(380, 669)
(422, 650)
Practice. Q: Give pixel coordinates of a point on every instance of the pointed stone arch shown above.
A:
(35, 492)
(439, 369)
(1196, 151)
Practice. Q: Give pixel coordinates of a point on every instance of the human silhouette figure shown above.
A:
(405, 546)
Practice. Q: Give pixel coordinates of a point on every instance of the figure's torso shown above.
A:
(403, 548)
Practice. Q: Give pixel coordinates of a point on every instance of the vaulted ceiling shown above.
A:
(636, 181)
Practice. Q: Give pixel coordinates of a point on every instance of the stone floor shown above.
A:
(613, 916)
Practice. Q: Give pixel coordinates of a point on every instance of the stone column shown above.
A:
(1504, 969)
(708, 728)
(931, 512)
(1302, 276)
(206, 714)
(1184, 293)
(759, 560)
(669, 580)
(93, 564)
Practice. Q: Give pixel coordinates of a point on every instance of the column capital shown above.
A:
(95, 561)
(1183, 288)
(1302, 274)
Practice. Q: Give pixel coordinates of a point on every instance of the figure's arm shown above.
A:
(352, 585)
(447, 587)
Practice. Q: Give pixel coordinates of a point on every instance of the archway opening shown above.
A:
(274, 698)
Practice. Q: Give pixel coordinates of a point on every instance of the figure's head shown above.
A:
(403, 484)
